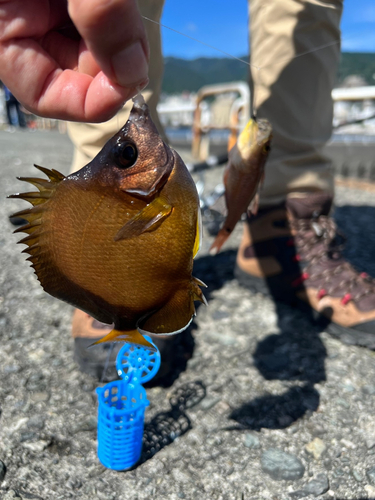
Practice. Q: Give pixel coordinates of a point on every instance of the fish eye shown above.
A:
(125, 154)
(266, 148)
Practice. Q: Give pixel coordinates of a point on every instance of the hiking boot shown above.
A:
(100, 361)
(292, 252)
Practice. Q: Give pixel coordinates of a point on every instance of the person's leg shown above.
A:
(8, 106)
(288, 249)
(20, 115)
(292, 89)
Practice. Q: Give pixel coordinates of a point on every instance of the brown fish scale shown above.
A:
(78, 260)
(116, 239)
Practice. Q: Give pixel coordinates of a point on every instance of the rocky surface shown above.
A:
(263, 381)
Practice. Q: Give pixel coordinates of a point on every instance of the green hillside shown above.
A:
(191, 75)
(357, 63)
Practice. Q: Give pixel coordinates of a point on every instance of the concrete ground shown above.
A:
(268, 406)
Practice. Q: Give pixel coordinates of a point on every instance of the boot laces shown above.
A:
(318, 240)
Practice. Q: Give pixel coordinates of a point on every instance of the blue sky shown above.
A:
(223, 24)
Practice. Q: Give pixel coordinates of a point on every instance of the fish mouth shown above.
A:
(139, 111)
(264, 130)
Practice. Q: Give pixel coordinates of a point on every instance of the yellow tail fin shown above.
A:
(130, 336)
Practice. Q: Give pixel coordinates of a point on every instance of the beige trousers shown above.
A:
(89, 138)
(294, 93)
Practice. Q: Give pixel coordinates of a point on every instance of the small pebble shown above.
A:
(357, 476)
(369, 390)
(88, 424)
(348, 444)
(316, 487)
(38, 397)
(316, 448)
(251, 441)
(342, 402)
(11, 495)
(36, 447)
(281, 465)
(209, 403)
(3, 471)
(370, 473)
(36, 422)
(370, 491)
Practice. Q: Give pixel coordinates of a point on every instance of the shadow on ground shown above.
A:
(166, 426)
(358, 225)
(297, 352)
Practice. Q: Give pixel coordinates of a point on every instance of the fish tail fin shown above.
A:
(254, 205)
(177, 314)
(129, 336)
(219, 241)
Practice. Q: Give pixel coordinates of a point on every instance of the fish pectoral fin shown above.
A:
(175, 315)
(129, 336)
(147, 219)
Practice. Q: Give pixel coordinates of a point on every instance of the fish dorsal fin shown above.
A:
(53, 175)
(33, 215)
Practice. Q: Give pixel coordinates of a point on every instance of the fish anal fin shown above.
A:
(147, 219)
(197, 292)
(199, 282)
(174, 316)
(129, 336)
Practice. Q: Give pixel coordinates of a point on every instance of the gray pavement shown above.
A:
(267, 407)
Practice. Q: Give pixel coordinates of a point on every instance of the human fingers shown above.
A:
(113, 31)
(48, 90)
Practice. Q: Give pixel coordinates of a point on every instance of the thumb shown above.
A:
(114, 33)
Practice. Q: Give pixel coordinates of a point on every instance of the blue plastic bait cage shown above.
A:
(122, 406)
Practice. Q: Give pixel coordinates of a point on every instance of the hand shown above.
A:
(78, 60)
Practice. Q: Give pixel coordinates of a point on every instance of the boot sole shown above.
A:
(346, 335)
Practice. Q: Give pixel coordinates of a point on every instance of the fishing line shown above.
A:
(199, 41)
(258, 68)
(320, 47)
(106, 363)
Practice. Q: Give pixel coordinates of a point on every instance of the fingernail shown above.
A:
(142, 85)
(130, 66)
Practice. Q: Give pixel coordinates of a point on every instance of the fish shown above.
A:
(117, 238)
(243, 175)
